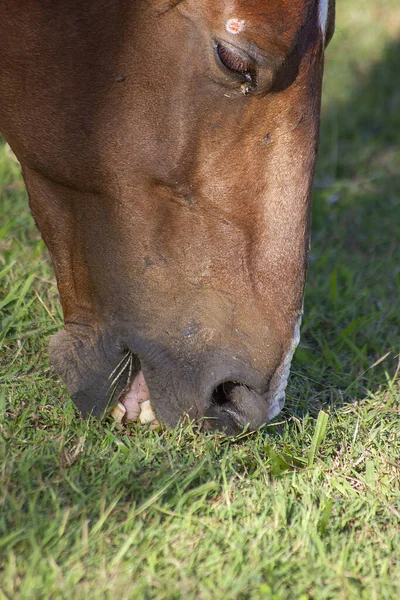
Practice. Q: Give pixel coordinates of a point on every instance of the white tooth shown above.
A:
(146, 413)
(118, 412)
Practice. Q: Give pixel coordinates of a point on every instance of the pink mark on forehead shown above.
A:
(235, 26)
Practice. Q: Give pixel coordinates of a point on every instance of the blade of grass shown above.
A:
(318, 437)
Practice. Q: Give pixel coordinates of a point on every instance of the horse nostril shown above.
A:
(235, 406)
(224, 393)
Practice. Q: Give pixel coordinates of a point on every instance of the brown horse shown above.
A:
(168, 149)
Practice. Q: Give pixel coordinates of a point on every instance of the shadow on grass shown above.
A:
(352, 305)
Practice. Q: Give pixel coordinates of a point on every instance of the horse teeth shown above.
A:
(118, 412)
(146, 416)
(146, 413)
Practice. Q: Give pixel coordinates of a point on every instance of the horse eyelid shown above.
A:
(234, 62)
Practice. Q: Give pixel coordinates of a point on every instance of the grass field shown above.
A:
(289, 512)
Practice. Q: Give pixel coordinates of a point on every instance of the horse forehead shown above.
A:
(259, 11)
(279, 18)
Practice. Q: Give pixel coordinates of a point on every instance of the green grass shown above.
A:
(309, 506)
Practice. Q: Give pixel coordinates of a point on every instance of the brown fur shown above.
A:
(175, 208)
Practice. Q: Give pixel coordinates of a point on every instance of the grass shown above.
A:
(309, 506)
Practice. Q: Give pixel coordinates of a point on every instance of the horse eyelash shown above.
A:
(234, 63)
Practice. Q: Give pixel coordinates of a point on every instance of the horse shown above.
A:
(168, 149)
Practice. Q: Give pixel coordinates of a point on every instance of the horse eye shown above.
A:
(236, 63)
